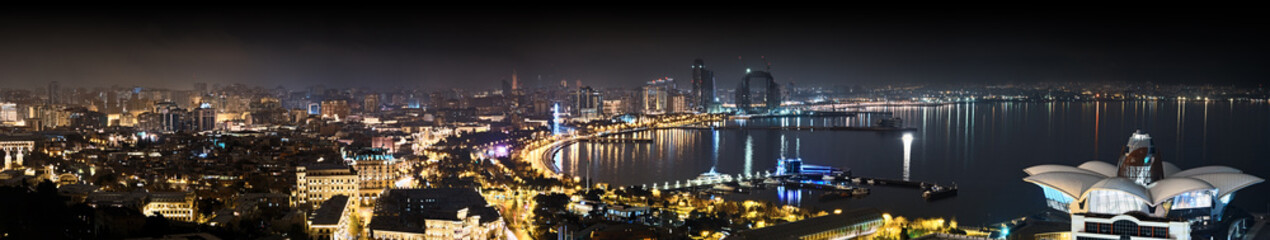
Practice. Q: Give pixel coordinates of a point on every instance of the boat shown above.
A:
(771, 181)
(713, 177)
(935, 192)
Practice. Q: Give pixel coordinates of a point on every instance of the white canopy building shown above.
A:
(1141, 188)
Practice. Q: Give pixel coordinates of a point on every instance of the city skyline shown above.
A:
(704, 122)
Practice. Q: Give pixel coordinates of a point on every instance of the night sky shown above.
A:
(474, 47)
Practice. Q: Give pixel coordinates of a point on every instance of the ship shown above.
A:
(935, 192)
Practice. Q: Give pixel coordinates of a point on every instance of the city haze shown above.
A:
(477, 47)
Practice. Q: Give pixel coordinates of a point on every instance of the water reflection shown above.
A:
(908, 153)
(981, 146)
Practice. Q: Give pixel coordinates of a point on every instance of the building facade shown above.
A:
(175, 206)
(317, 182)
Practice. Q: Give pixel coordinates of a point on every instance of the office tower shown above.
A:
(745, 99)
(54, 93)
(657, 96)
(204, 118)
(170, 117)
(589, 103)
(703, 91)
(371, 103)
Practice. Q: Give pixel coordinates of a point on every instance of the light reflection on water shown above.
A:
(982, 147)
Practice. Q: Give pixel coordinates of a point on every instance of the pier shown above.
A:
(832, 183)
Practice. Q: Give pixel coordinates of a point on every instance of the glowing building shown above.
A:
(1143, 197)
(315, 183)
(376, 170)
(176, 206)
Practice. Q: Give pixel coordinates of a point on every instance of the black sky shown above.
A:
(391, 47)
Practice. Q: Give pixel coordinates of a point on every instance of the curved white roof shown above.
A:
(1170, 169)
(1100, 167)
(1073, 184)
(1039, 169)
(1170, 187)
(1123, 185)
(1227, 183)
(1205, 170)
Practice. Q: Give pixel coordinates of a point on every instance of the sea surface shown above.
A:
(981, 147)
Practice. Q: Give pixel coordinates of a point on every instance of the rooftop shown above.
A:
(330, 211)
(407, 209)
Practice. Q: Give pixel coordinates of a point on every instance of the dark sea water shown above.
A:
(982, 147)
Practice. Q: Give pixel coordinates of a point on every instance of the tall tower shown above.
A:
(515, 81)
(54, 89)
(745, 99)
(702, 86)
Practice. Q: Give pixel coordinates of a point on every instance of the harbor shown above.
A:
(792, 173)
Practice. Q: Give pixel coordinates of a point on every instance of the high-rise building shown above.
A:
(590, 104)
(771, 99)
(204, 118)
(1142, 198)
(335, 109)
(371, 103)
(703, 90)
(171, 118)
(657, 96)
(55, 96)
(613, 107)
